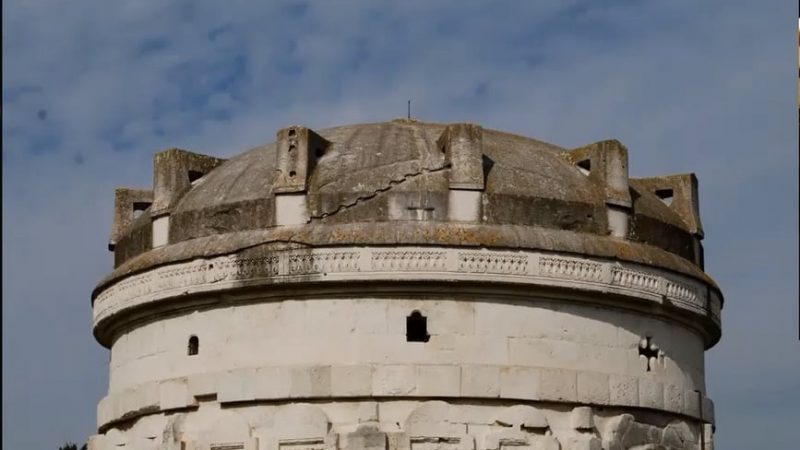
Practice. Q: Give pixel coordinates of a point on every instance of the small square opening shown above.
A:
(417, 328)
(666, 195)
(194, 175)
(585, 166)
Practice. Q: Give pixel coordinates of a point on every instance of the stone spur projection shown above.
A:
(406, 286)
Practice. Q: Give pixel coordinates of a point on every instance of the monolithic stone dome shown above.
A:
(390, 182)
(397, 212)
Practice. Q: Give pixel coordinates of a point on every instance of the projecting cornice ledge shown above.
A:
(604, 280)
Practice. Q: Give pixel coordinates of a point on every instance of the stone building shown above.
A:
(411, 286)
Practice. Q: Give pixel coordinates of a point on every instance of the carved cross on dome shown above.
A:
(650, 351)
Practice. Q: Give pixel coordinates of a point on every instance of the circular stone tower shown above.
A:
(406, 286)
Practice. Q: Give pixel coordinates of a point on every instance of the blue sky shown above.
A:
(92, 89)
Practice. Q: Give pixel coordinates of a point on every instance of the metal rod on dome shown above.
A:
(409, 109)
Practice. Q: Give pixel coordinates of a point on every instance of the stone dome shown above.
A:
(390, 183)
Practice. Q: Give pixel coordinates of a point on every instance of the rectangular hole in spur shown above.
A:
(585, 166)
(666, 195)
(139, 208)
(194, 175)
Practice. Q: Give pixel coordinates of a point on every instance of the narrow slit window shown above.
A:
(194, 346)
(417, 328)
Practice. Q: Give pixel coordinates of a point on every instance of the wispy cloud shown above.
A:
(92, 89)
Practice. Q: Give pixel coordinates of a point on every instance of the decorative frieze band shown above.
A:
(314, 263)
(405, 260)
(489, 262)
(571, 269)
(635, 279)
(412, 263)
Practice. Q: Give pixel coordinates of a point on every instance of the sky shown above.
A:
(92, 89)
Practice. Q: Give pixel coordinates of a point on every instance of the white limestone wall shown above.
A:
(498, 335)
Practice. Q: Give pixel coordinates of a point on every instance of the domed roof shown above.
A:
(398, 182)
(403, 156)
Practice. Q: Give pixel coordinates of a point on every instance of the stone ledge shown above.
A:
(592, 275)
(513, 383)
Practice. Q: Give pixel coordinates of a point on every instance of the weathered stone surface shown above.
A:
(623, 390)
(438, 380)
(558, 385)
(349, 381)
(651, 393)
(605, 164)
(462, 145)
(174, 394)
(393, 380)
(298, 151)
(582, 418)
(174, 172)
(366, 437)
(480, 381)
(680, 193)
(521, 416)
(406, 286)
(594, 387)
(127, 202)
(520, 383)
(404, 157)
